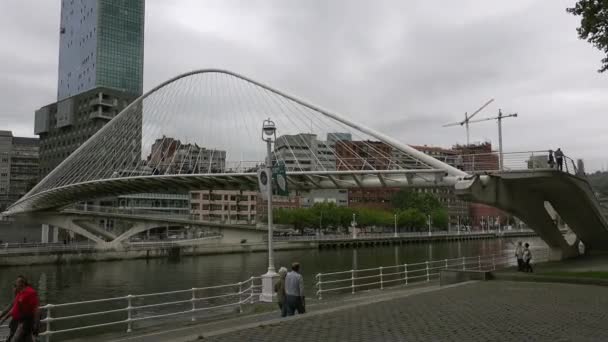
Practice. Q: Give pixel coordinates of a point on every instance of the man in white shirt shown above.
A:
(519, 254)
(294, 290)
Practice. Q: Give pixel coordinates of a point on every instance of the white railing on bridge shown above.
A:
(376, 236)
(129, 310)
(407, 274)
(512, 161)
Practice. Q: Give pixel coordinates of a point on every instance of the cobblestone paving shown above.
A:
(485, 311)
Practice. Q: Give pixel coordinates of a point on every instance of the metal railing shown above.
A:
(407, 274)
(490, 162)
(375, 236)
(129, 310)
(82, 247)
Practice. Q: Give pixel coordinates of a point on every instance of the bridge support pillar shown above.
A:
(527, 205)
(55, 234)
(44, 231)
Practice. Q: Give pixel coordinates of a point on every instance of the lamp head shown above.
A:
(268, 129)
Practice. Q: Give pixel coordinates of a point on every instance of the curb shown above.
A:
(550, 279)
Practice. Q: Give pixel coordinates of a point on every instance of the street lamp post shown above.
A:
(395, 225)
(353, 223)
(429, 220)
(268, 133)
(320, 224)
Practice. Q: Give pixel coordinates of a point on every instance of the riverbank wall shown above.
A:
(42, 256)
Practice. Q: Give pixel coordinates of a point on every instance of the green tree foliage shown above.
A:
(594, 25)
(426, 203)
(439, 218)
(412, 214)
(412, 219)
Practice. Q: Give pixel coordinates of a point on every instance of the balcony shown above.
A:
(100, 114)
(103, 102)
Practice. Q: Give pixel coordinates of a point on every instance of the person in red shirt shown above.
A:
(6, 313)
(25, 311)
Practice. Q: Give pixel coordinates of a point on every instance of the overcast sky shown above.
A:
(401, 67)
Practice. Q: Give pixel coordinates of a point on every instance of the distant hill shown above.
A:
(599, 182)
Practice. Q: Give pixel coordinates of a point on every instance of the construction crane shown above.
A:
(499, 118)
(467, 119)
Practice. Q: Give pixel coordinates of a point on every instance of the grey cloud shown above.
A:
(404, 68)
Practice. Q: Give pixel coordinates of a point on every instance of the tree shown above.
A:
(412, 219)
(424, 202)
(594, 25)
(440, 218)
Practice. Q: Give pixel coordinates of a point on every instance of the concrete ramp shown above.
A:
(524, 193)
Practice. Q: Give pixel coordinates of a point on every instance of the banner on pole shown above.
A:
(279, 181)
(263, 182)
(279, 175)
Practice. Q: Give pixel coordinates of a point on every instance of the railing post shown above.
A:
(381, 279)
(493, 263)
(479, 262)
(463, 264)
(427, 272)
(129, 323)
(240, 298)
(48, 323)
(252, 292)
(319, 283)
(405, 273)
(193, 300)
(352, 281)
(446, 264)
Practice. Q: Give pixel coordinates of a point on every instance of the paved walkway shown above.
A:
(592, 263)
(186, 331)
(481, 311)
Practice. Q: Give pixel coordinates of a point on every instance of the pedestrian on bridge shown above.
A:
(294, 291)
(551, 160)
(527, 258)
(519, 254)
(559, 157)
(279, 288)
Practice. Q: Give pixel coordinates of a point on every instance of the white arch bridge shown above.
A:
(202, 130)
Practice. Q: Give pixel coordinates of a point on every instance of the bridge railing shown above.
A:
(375, 236)
(490, 162)
(357, 280)
(130, 311)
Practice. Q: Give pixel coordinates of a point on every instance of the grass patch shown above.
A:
(589, 274)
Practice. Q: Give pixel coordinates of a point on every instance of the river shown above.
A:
(86, 281)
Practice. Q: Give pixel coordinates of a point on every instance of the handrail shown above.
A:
(371, 236)
(415, 272)
(220, 296)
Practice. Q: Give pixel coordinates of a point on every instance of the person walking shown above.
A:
(551, 161)
(559, 158)
(279, 288)
(527, 258)
(12, 326)
(519, 254)
(25, 311)
(294, 291)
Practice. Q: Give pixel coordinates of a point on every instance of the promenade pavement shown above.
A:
(480, 311)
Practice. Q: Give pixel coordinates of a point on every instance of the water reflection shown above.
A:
(85, 281)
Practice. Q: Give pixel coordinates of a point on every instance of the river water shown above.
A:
(86, 281)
